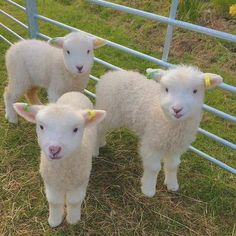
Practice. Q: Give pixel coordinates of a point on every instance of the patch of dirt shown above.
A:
(204, 52)
(182, 45)
(207, 50)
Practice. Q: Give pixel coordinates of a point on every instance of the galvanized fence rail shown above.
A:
(34, 32)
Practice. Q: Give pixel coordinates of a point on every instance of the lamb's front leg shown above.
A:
(56, 206)
(171, 164)
(101, 138)
(151, 167)
(74, 200)
(53, 95)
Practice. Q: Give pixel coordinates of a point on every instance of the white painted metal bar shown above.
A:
(11, 31)
(94, 78)
(6, 40)
(217, 138)
(106, 64)
(228, 87)
(170, 28)
(166, 20)
(13, 18)
(89, 93)
(213, 160)
(16, 5)
(110, 43)
(43, 36)
(219, 113)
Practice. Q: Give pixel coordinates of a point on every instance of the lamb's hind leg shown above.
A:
(171, 164)
(11, 94)
(101, 138)
(151, 167)
(74, 200)
(32, 96)
(53, 94)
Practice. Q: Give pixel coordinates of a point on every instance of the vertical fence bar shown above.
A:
(31, 11)
(170, 28)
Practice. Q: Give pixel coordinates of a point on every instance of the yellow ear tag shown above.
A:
(207, 81)
(91, 114)
(99, 42)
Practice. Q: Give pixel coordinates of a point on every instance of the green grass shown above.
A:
(205, 204)
(190, 10)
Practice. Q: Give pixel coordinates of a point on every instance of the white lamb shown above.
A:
(61, 65)
(67, 135)
(164, 112)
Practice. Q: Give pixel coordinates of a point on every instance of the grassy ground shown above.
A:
(205, 204)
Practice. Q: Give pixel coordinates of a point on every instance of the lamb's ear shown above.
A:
(97, 42)
(211, 80)
(155, 74)
(27, 111)
(93, 117)
(57, 42)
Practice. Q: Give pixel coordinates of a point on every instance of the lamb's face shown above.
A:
(59, 128)
(182, 94)
(60, 131)
(182, 90)
(78, 51)
(78, 54)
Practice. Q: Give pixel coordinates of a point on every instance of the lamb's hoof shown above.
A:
(54, 222)
(172, 187)
(96, 154)
(73, 218)
(103, 144)
(11, 119)
(148, 192)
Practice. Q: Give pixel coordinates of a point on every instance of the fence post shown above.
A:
(168, 39)
(31, 11)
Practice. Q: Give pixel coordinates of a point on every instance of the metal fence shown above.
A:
(34, 32)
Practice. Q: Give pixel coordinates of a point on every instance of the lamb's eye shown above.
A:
(41, 127)
(68, 52)
(88, 51)
(195, 91)
(75, 130)
(167, 90)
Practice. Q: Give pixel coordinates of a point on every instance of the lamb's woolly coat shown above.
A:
(132, 101)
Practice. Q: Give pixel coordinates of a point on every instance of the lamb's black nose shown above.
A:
(79, 68)
(177, 109)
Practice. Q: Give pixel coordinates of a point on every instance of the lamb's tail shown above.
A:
(32, 96)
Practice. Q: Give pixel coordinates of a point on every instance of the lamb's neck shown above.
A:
(190, 123)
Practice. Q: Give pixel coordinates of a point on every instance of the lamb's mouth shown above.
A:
(178, 115)
(55, 157)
